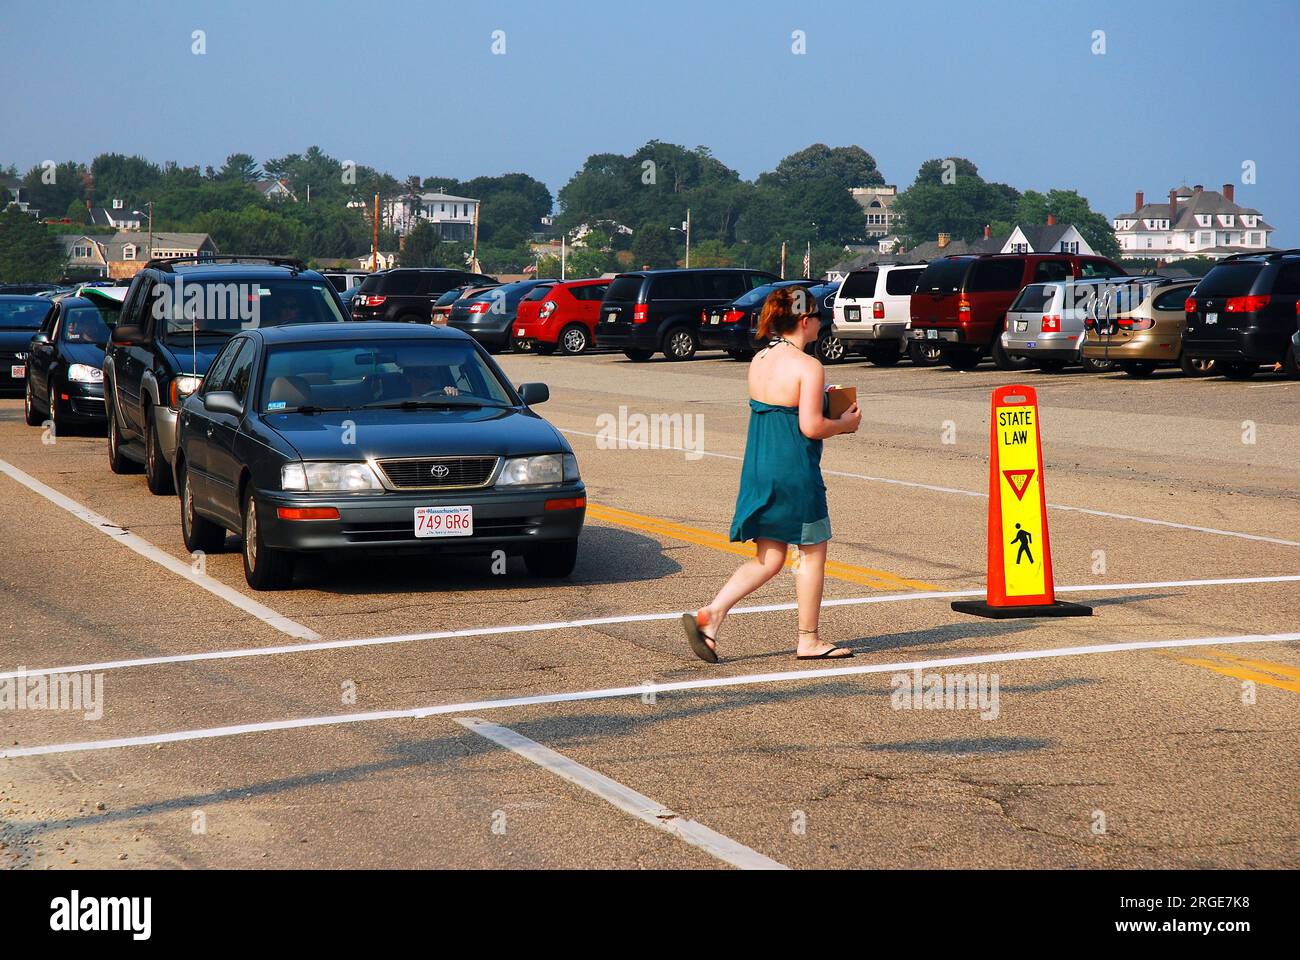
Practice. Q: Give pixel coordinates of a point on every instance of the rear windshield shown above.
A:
(624, 288)
(943, 276)
(1035, 298)
(23, 314)
(1229, 279)
(540, 292)
(859, 283)
(451, 296)
(214, 308)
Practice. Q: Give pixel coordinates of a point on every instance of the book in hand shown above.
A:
(839, 399)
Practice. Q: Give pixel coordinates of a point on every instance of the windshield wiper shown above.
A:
(311, 408)
(443, 403)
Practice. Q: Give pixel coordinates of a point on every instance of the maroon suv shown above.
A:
(960, 303)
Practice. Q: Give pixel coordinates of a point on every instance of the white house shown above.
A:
(274, 189)
(454, 217)
(877, 204)
(118, 217)
(1195, 222)
(1052, 238)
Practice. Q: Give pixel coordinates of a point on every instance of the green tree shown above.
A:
(848, 166)
(1067, 207)
(421, 246)
(241, 167)
(29, 253)
(254, 230)
(652, 247)
(933, 171)
(78, 213)
(117, 177)
(52, 190)
(962, 207)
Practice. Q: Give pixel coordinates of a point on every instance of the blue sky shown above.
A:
(1186, 91)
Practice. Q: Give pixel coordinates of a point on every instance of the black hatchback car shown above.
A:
(659, 310)
(733, 327)
(1244, 313)
(407, 294)
(327, 438)
(65, 365)
(21, 316)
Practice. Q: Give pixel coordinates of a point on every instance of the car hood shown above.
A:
(487, 431)
(87, 353)
(198, 359)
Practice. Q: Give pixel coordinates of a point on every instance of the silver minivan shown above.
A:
(1046, 323)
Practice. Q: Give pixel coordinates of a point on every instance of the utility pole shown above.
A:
(563, 258)
(474, 254)
(374, 244)
(688, 237)
(782, 259)
(150, 206)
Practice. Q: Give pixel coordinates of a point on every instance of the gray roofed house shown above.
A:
(1191, 222)
(128, 250)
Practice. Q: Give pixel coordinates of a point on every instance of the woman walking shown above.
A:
(782, 499)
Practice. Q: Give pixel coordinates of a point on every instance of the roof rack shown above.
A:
(166, 263)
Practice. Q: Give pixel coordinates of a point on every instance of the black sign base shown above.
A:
(1061, 608)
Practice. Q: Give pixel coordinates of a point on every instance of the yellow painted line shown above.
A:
(866, 576)
(1258, 671)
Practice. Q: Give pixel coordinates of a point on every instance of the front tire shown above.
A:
(552, 561)
(30, 412)
(574, 339)
(681, 344)
(199, 533)
(157, 472)
(265, 568)
(923, 354)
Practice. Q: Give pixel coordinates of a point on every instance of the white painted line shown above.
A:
(625, 798)
(822, 673)
(147, 550)
(975, 493)
(596, 622)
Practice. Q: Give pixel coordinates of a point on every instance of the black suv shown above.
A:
(176, 317)
(652, 310)
(407, 294)
(1244, 313)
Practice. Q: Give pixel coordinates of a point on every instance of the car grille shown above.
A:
(438, 473)
(483, 527)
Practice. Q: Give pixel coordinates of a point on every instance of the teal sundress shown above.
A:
(782, 496)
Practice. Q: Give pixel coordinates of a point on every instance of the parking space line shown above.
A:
(810, 674)
(1259, 671)
(934, 488)
(147, 550)
(624, 798)
(866, 576)
(502, 630)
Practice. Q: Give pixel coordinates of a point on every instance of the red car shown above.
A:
(562, 316)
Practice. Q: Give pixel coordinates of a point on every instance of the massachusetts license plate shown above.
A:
(714, 319)
(852, 313)
(519, 332)
(1022, 325)
(932, 334)
(1209, 318)
(18, 371)
(444, 522)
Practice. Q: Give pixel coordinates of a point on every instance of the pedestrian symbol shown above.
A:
(1024, 538)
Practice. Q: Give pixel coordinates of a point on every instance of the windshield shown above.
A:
(215, 308)
(1230, 279)
(92, 323)
(349, 376)
(23, 314)
(943, 276)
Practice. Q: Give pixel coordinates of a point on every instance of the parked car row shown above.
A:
(241, 384)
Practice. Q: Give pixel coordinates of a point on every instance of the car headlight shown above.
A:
(328, 477)
(181, 388)
(548, 468)
(85, 373)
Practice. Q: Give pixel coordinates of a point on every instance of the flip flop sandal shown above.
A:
(826, 655)
(695, 636)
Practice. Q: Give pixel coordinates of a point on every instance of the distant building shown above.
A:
(452, 217)
(14, 195)
(127, 251)
(1194, 222)
(274, 189)
(1051, 237)
(86, 255)
(119, 217)
(877, 204)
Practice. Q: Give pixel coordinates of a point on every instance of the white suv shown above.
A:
(872, 312)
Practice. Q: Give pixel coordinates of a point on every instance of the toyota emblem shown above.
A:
(440, 470)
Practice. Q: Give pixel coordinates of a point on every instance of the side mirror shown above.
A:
(127, 333)
(534, 393)
(41, 337)
(222, 401)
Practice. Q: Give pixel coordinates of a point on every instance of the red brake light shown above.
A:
(1246, 304)
(878, 310)
(963, 307)
(373, 301)
(733, 316)
(1189, 305)
(640, 313)
(480, 307)
(1051, 323)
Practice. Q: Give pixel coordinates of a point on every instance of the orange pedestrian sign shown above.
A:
(1019, 548)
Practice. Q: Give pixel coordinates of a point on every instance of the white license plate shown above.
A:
(519, 332)
(1022, 326)
(932, 334)
(852, 313)
(18, 371)
(444, 522)
(715, 319)
(1211, 318)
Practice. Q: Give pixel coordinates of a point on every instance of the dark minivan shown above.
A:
(407, 294)
(659, 310)
(1244, 313)
(960, 302)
